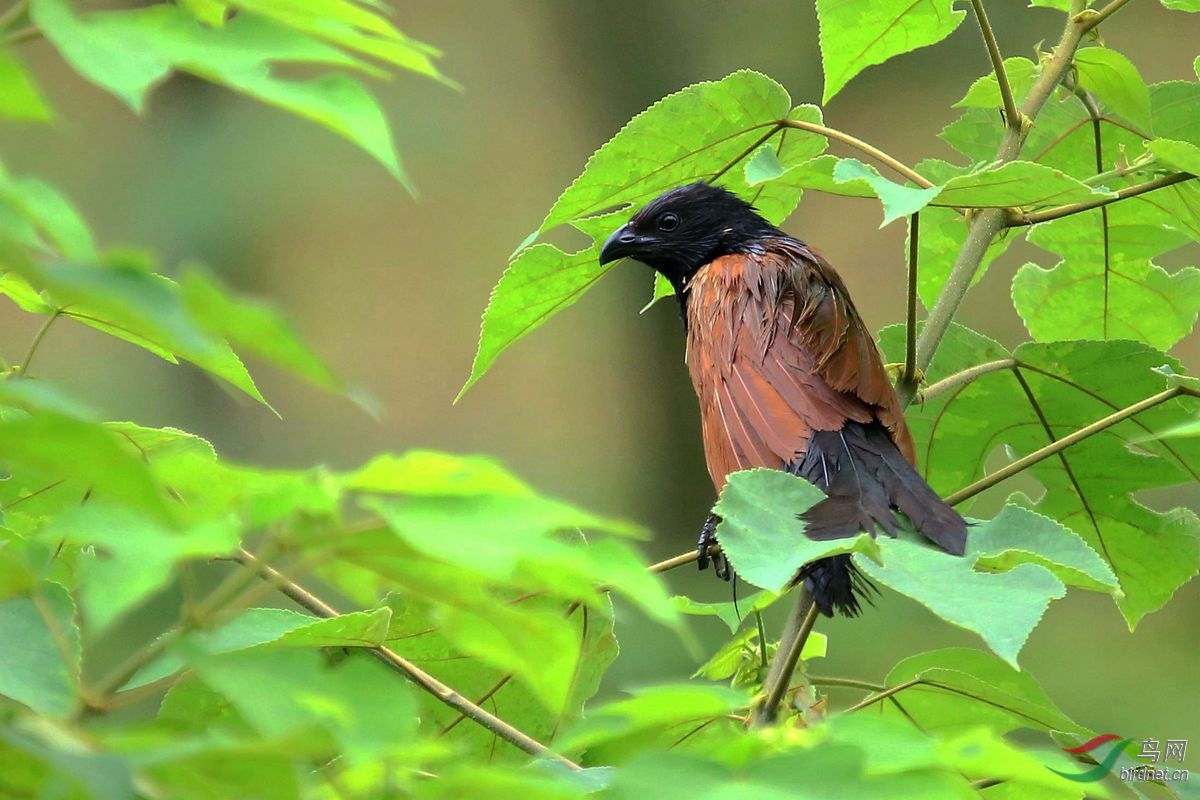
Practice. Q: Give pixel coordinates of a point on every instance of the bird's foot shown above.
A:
(708, 538)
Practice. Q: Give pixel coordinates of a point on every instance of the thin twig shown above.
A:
(758, 143)
(1078, 436)
(14, 12)
(861, 146)
(966, 376)
(886, 693)
(1094, 18)
(1012, 117)
(1019, 219)
(846, 683)
(679, 560)
(37, 340)
(791, 644)
(430, 684)
(909, 375)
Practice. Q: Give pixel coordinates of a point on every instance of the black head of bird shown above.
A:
(685, 228)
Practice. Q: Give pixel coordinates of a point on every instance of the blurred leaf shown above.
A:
(426, 472)
(69, 764)
(143, 308)
(55, 224)
(1114, 79)
(415, 634)
(1002, 607)
(856, 34)
(211, 12)
(1017, 535)
(1182, 5)
(274, 627)
(832, 770)
(659, 713)
(129, 558)
(254, 327)
(353, 27)
(39, 666)
(367, 709)
(20, 97)
(761, 533)
(961, 688)
(128, 52)
(731, 613)
(77, 459)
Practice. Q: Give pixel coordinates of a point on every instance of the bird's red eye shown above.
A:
(668, 222)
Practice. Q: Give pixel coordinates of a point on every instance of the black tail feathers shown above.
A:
(865, 477)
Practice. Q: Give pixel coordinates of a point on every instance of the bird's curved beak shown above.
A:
(623, 242)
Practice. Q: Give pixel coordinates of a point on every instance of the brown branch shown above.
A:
(861, 146)
(966, 376)
(1012, 117)
(1078, 436)
(886, 693)
(430, 684)
(908, 376)
(791, 644)
(1018, 219)
(1092, 18)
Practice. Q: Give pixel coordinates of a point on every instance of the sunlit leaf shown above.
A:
(856, 34)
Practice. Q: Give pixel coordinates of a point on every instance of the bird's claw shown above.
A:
(708, 538)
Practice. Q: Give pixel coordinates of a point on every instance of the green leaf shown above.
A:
(856, 34)
(730, 613)
(254, 327)
(942, 234)
(688, 136)
(1017, 536)
(426, 472)
(141, 307)
(700, 132)
(541, 281)
(962, 688)
(1104, 288)
(348, 25)
(20, 97)
(898, 201)
(1182, 5)
(40, 665)
(1088, 487)
(273, 627)
(128, 52)
(1114, 79)
(761, 534)
(126, 71)
(623, 726)
(1183, 156)
(69, 459)
(55, 223)
(985, 92)
(129, 558)
(359, 703)
(415, 633)
(1003, 608)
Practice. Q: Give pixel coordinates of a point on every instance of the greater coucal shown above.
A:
(787, 375)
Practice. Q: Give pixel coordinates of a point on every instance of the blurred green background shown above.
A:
(596, 407)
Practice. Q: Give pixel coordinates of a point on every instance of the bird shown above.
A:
(787, 376)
